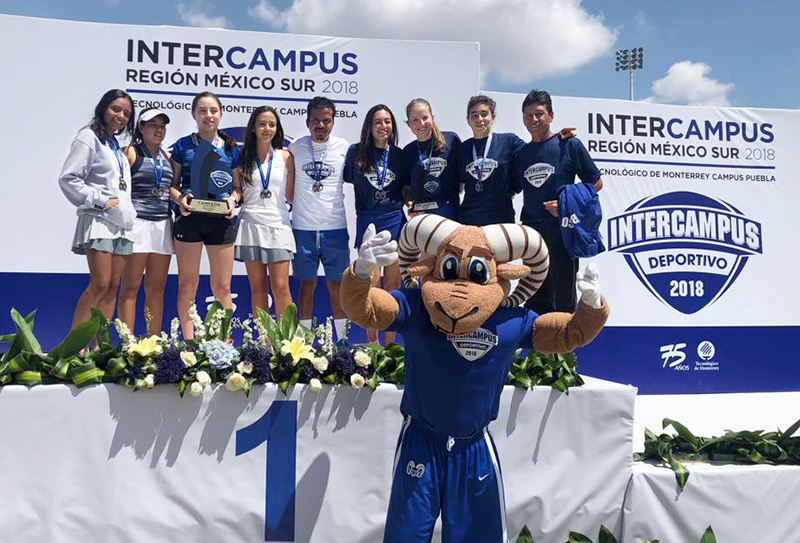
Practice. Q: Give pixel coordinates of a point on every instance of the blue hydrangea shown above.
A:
(220, 355)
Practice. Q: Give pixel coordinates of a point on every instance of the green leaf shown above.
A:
(28, 378)
(76, 340)
(605, 536)
(25, 333)
(708, 536)
(181, 387)
(117, 368)
(7, 337)
(576, 537)
(789, 432)
(284, 386)
(248, 384)
(216, 306)
(225, 325)
(86, 374)
(273, 333)
(684, 432)
(61, 369)
(681, 473)
(560, 386)
(525, 535)
(521, 379)
(103, 332)
(16, 343)
(289, 322)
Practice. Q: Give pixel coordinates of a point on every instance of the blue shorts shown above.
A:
(328, 246)
(463, 482)
(392, 221)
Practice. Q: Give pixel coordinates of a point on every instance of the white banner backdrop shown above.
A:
(697, 206)
(54, 73)
(105, 464)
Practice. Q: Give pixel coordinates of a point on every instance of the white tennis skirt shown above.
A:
(153, 236)
(263, 243)
(99, 235)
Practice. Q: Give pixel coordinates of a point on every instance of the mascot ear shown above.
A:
(421, 268)
(512, 271)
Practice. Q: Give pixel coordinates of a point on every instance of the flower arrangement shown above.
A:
(282, 352)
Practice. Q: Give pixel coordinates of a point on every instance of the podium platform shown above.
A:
(742, 503)
(106, 464)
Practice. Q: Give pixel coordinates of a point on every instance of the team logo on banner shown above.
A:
(686, 248)
(539, 173)
(475, 345)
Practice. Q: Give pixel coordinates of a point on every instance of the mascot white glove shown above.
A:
(589, 286)
(376, 250)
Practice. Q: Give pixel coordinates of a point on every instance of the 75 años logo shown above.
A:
(686, 248)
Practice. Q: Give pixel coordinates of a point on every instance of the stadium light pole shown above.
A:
(630, 60)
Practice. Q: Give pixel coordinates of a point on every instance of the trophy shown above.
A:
(210, 182)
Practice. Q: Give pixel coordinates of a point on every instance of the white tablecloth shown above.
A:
(742, 503)
(106, 464)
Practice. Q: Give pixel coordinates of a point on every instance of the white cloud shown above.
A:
(688, 83)
(198, 14)
(521, 40)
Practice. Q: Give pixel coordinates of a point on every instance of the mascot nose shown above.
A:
(454, 320)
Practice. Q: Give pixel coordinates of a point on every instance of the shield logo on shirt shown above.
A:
(538, 174)
(434, 166)
(325, 170)
(373, 179)
(473, 346)
(489, 166)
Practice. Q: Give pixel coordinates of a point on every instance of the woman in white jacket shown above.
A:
(96, 177)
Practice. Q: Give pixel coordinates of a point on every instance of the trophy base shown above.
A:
(426, 206)
(213, 207)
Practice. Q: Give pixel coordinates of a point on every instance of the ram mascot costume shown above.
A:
(461, 327)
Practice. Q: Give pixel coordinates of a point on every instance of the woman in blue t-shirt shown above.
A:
(212, 155)
(484, 164)
(151, 178)
(376, 168)
(432, 163)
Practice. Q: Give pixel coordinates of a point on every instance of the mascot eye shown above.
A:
(478, 270)
(449, 268)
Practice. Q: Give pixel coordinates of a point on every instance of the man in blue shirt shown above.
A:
(541, 168)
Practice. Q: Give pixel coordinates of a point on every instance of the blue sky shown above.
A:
(711, 52)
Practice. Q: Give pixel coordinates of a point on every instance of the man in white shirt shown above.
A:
(318, 217)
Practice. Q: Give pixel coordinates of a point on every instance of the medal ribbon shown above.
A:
(381, 176)
(112, 142)
(265, 179)
(485, 154)
(318, 171)
(159, 170)
(422, 156)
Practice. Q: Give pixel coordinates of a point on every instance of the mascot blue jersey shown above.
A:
(453, 383)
